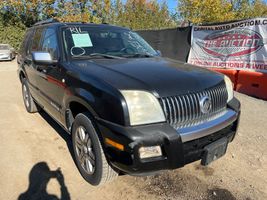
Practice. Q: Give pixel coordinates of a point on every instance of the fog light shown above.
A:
(149, 152)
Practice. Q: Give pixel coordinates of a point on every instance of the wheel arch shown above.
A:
(22, 75)
(75, 106)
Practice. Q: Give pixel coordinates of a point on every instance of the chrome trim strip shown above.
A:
(184, 110)
(207, 128)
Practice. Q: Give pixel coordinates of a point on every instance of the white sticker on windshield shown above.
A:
(82, 40)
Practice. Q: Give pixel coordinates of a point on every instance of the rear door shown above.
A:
(34, 42)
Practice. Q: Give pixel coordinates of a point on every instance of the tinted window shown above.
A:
(26, 42)
(50, 42)
(36, 39)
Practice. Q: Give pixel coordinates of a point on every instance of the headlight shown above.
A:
(229, 87)
(143, 107)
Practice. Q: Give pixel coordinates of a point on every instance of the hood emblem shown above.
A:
(205, 104)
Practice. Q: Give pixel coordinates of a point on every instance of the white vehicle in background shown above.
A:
(7, 52)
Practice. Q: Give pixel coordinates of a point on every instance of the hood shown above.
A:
(164, 76)
(5, 51)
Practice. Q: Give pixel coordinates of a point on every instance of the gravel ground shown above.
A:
(33, 147)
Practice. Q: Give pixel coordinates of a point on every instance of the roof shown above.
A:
(54, 22)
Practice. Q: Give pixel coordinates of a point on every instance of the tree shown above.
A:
(16, 15)
(27, 11)
(249, 9)
(209, 11)
(137, 14)
(12, 35)
(96, 11)
(143, 14)
(205, 11)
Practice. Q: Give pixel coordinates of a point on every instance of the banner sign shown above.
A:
(240, 45)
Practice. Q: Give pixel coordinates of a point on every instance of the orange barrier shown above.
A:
(252, 83)
(231, 73)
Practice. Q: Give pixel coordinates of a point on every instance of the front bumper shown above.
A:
(5, 57)
(179, 147)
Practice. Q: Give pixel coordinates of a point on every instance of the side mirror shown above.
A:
(159, 53)
(43, 58)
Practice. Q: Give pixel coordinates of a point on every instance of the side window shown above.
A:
(24, 47)
(50, 43)
(37, 39)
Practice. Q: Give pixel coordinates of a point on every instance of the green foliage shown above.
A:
(210, 11)
(16, 15)
(12, 34)
(142, 14)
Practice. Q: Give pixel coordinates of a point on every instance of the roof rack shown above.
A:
(48, 21)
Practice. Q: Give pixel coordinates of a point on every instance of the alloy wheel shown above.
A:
(84, 150)
(26, 96)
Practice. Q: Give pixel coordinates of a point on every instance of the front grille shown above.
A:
(184, 110)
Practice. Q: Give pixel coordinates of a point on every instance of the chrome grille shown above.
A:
(184, 110)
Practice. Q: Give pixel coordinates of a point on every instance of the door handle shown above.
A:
(41, 69)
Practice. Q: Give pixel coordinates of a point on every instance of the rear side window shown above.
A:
(26, 42)
(37, 39)
(50, 43)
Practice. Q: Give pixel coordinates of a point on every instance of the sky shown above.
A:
(172, 4)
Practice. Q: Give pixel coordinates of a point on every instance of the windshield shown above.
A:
(4, 47)
(85, 41)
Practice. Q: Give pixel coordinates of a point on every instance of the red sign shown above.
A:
(240, 45)
(231, 43)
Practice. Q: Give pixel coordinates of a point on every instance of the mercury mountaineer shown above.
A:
(127, 109)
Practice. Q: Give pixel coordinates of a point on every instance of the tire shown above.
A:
(29, 103)
(88, 152)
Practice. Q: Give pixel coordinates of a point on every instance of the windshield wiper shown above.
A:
(104, 55)
(138, 55)
(93, 55)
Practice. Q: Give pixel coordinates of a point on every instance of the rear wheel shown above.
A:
(29, 103)
(89, 155)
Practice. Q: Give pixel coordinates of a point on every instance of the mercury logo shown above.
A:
(237, 42)
(205, 104)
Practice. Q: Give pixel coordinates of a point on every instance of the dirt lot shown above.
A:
(32, 146)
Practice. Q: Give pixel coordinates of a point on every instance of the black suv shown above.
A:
(128, 110)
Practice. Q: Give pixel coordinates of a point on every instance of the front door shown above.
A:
(51, 81)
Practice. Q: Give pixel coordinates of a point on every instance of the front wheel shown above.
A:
(89, 155)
